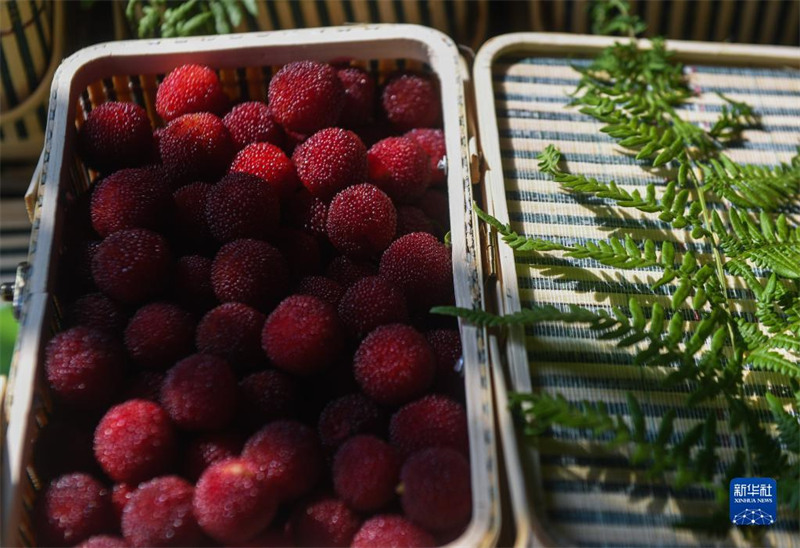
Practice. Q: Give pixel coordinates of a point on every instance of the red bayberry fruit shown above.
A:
(83, 367)
(372, 302)
(322, 288)
(412, 219)
(346, 417)
(73, 508)
(411, 101)
(270, 163)
(159, 334)
(191, 226)
(134, 441)
(365, 473)
(399, 167)
(192, 286)
(104, 541)
(233, 501)
(251, 272)
(329, 161)
(115, 136)
(200, 392)
(267, 395)
(324, 521)
(432, 142)
(433, 421)
(346, 271)
(306, 96)
(361, 221)
(188, 89)
(303, 335)
(210, 448)
(251, 122)
(195, 147)
(394, 364)
(132, 265)
(359, 96)
(160, 514)
(242, 206)
(290, 455)
(233, 331)
(421, 266)
(131, 198)
(391, 530)
(436, 489)
(121, 493)
(96, 311)
(307, 212)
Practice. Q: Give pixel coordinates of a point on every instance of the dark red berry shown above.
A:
(131, 198)
(412, 101)
(115, 136)
(251, 122)
(361, 221)
(241, 205)
(159, 334)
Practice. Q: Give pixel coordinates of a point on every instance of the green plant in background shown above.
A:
(634, 92)
(8, 334)
(169, 19)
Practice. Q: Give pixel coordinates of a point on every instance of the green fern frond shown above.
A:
(752, 186)
(764, 358)
(767, 244)
(734, 118)
(788, 425)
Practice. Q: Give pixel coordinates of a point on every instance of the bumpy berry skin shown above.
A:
(271, 164)
(391, 530)
(192, 285)
(306, 212)
(104, 541)
(233, 501)
(372, 302)
(83, 367)
(365, 473)
(160, 514)
(131, 198)
(267, 395)
(394, 364)
(432, 421)
(188, 89)
(96, 311)
(159, 334)
(132, 266)
(359, 96)
(250, 272)
(432, 142)
(324, 521)
(411, 101)
(346, 417)
(306, 96)
(121, 493)
(399, 167)
(303, 335)
(199, 393)
(446, 345)
(436, 489)
(322, 288)
(251, 122)
(361, 221)
(195, 147)
(134, 441)
(288, 452)
(346, 271)
(412, 219)
(329, 161)
(241, 205)
(232, 331)
(421, 266)
(191, 226)
(73, 508)
(115, 136)
(210, 448)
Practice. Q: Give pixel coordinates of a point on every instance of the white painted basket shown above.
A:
(96, 70)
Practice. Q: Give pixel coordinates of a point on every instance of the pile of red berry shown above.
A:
(249, 358)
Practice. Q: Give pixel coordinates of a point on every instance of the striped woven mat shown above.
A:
(594, 498)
